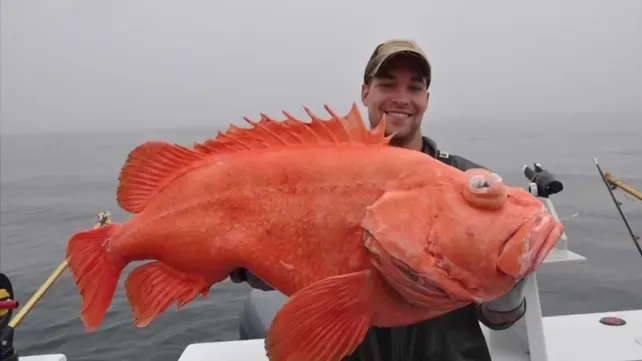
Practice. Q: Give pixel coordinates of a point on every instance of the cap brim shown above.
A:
(412, 53)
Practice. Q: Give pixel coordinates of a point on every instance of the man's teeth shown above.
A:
(399, 115)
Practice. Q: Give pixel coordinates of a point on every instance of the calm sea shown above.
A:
(53, 185)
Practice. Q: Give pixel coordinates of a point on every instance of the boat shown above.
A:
(605, 336)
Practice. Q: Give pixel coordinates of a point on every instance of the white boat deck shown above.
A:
(568, 338)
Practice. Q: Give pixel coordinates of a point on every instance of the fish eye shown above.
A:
(482, 182)
(478, 182)
(484, 189)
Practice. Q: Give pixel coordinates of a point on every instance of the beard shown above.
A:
(403, 138)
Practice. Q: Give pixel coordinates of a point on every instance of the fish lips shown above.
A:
(526, 248)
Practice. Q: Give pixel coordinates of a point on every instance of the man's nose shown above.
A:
(401, 100)
(401, 96)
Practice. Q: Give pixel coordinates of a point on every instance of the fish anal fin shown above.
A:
(153, 287)
(148, 168)
(271, 133)
(325, 321)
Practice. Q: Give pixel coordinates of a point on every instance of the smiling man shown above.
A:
(395, 85)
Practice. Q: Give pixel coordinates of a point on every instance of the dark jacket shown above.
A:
(455, 336)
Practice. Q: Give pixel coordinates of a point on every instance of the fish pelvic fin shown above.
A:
(153, 287)
(94, 272)
(148, 168)
(271, 133)
(325, 321)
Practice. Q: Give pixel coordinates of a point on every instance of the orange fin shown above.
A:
(94, 271)
(270, 133)
(325, 321)
(148, 168)
(154, 286)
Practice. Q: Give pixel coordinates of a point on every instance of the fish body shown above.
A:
(357, 233)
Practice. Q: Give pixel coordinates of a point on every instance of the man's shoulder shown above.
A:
(453, 160)
(457, 161)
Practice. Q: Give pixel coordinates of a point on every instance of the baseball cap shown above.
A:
(388, 49)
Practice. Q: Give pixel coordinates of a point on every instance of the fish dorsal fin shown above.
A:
(148, 168)
(152, 165)
(271, 133)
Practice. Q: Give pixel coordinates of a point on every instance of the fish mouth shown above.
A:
(531, 242)
(546, 234)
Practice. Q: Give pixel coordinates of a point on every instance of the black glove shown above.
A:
(241, 275)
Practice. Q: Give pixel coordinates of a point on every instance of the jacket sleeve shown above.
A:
(241, 275)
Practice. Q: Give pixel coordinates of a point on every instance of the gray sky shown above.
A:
(89, 64)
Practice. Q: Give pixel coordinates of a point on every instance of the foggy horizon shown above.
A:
(118, 66)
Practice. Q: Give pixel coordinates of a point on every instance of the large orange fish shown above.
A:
(356, 232)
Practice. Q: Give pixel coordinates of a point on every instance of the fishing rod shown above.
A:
(612, 184)
(8, 304)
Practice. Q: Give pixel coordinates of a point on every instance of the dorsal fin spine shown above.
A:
(262, 126)
(292, 132)
(302, 125)
(341, 121)
(321, 122)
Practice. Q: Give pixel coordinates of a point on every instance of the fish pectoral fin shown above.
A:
(148, 167)
(153, 287)
(325, 321)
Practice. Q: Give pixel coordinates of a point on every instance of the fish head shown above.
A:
(470, 240)
(511, 229)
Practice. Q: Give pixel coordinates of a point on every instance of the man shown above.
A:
(395, 84)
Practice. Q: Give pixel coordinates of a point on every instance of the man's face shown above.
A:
(399, 91)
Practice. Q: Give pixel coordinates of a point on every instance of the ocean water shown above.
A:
(54, 184)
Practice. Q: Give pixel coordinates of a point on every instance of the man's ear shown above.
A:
(365, 89)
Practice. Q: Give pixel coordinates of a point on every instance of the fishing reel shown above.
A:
(7, 306)
(543, 183)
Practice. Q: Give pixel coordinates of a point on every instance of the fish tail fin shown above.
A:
(325, 321)
(94, 271)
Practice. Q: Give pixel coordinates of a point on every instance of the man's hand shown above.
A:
(242, 275)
